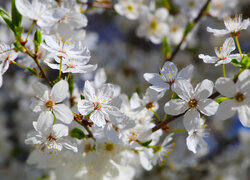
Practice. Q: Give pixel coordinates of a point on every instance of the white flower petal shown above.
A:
(208, 59)
(89, 91)
(186, 73)
(183, 89)
(153, 78)
(195, 143)
(175, 106)
(191, 118)
(225, 110)
(60, 130)
(98, 118)
(244, 81)
(225, 86)
(45, 120)
(63, 113)
(161, 14)
(204, 89)
(100, 77)
(218, 32)
(244, 115)
(145, 161)
(208, 106)
(59, 91)
(85, 107)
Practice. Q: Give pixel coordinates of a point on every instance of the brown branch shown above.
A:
(193, 23)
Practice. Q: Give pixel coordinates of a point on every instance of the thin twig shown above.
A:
(195, 21)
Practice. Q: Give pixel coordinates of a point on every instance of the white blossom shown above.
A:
(98, 105)
(50, 137)
(7, 54)
(39, 11)
(192, 100)
(222, 53)
(129, 8)
(167, 77)
(233, 26)
(239, 98)
(49, 103)
(153, 26)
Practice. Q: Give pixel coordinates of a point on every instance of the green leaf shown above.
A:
(7, 19)
(221, 99)
(138, 91)
(189, 27)
(236, 63)
(146, 143)
(245, 62)
(37, 37)
(82, 97)
(19, 47)
(16, 16)
(166, 48)
(77, 133)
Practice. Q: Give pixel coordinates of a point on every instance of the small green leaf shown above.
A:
(189, 27)
(37, 37)
(221, 99)
(236, 63)
(16, 16)
(7, 19)
(166, 48)
(245, 62)
(82, 97)
(146, 143)
(19, 47)
(138, 91)
(77, 133)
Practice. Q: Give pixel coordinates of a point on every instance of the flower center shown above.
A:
(193, 103)
(157, 148)
(239, 97)
(150, 105)
(153, 25)
(49, 104)
(174, 29)
(130, 8)
(50, 138)
(97, 106)
(132, 137)
(109, 146)
(70, 66)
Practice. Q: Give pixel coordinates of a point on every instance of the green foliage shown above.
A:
(245, 62)
(236, 63)
(19, 47)
(166, 48)
(37, 38)
(77, 133)
(82, 97)
(221, 99)
(14, 22)
(189, 27)
(16, 16)
(7, 19)
(146, 143)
